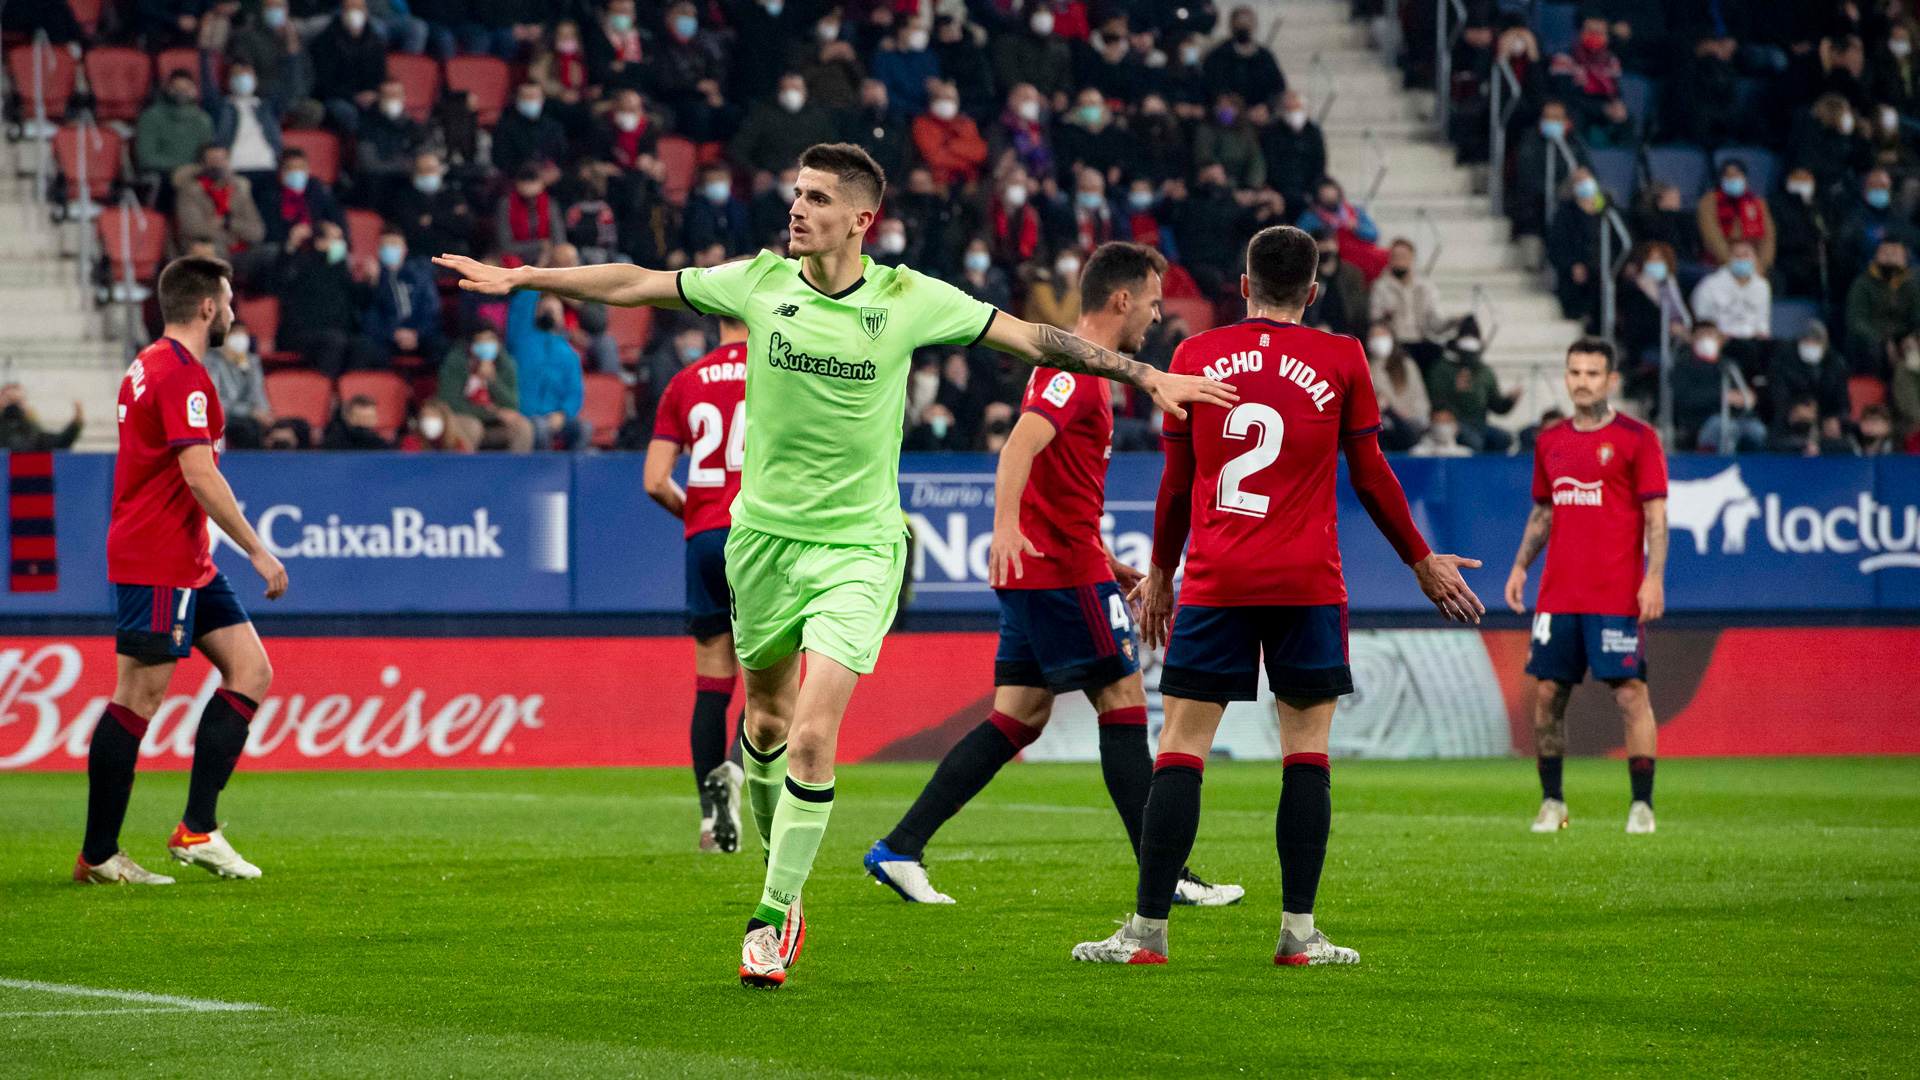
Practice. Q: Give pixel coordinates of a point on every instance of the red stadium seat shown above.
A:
(121, 79)
(1196, 310)
(363, 233)
(101, 148)
(187, 60)
(133, 236)
(87, 13)
(56, 78)
(302, 393)
(485, 77)
(420, 75)
(1862, 391)
(388, 391)
(677, 157)
(630, 328)
(322, 149)
(603, 404)
(261, 316)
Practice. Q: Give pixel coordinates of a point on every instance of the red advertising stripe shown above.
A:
(30, 464)
(30, 506)
(35, 547)
(1803, 691)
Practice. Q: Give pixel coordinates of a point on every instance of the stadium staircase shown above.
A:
(1379, 133)
(53, 339)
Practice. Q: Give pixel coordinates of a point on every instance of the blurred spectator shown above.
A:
(1358, 235)
(627, 134)
(1086, 220)
(301, 200)
(349, 64)
(479, 384)
(905, 66)
(1883, 310)
(593, 223)
(1800, 226)
(1871, 221)
(1529, 436)
(403, 315)
(1243, 66)
(248, 126)
(935, 432)
(1012, 220)
(527, 222)
(1589, 73)
(172, 130)
(1185, 80)
(1610, 128)
(1231, 139)
(715, 216)
(273, 53)
(212, 206)
(1738, 299)
(1440, 438)
(923, 387)
(1731, 212)
(1405, 301)
(20, 429)
(1140, 218)
(1110, 65)
(1209, 229)
(585, 322)
(1400, 388)
(437, 429)
(831, 68)
(616, 54)
(1462, 384)
(1904, 389)
(775, 132)
(982, 280)
(961, 48)
(561, 70)
(1806, 432)
(527, 135)
(1829, 143)
(1088, 138)
(388, 142)
(1055, 298)
(320, 303)
(1539, 144)
(688, 69)
(354, 427)
(948, 141)
(1033, 55)
(874, 127)
(1160, 140)
(934, 230)
(1341, 307)
(550, 383)
(164, 23)
(1875, 436)
(1659, 216)
(1703, 106)
(242, 388)
(1893, 77)
(1807, 368)
(1845, 60)
(1648, 296)
(965, 397)
(1022, 131)
(433, 213)
(1700, 387)
(1296, 150)
(1573, 247)
(890, 244)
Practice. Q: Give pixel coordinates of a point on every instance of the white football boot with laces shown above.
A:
(210, 852)
(117, 870)
(1640, 818)
(904, 875)
(761, 966)
(1190, 890)
(1552, 816)
(1314, 949)
(1134, 943)
(720, 791)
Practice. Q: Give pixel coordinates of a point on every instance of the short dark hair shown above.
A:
(851, 165)
(1113, 266)
(1281, 261)
(292, 153)
(1597, 346)
(362, 401)
(187, 281)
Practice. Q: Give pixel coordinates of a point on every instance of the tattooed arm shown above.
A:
(1653, 589)
(1532, 542)
(1043, 345)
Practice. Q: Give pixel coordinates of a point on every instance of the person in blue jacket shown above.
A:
(550, 383)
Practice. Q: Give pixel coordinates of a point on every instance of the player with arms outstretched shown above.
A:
(702, 411)
(171, 599)
(1064, 621)
(1600, 511)
(818, 550)
(1254, 485)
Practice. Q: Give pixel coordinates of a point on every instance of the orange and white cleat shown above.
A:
(209, 851)
(1138, 941)
(793, 935)
(117, 870)
(761, 966)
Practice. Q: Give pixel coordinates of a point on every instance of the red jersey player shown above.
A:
(702, 412)
(1600, 510)
(171, 599)
(1254, 483)
(1064, 622)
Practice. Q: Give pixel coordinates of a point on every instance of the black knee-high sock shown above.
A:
(1127, 766)
(711, 696)
(110, 764)
(1640, 774)
(217, 744)
(1550, 772)
(1300, 829)
(1171, 820)
(967, 768)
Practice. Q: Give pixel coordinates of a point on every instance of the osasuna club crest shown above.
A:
(1606, 452)
(873, 320)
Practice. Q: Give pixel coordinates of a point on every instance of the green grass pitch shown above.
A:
(560, 924)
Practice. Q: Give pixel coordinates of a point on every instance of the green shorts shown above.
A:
(833, 599)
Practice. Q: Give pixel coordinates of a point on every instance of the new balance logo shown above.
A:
(787, 310)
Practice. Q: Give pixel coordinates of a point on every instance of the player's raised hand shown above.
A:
(270, 570)
(476, 276)
(1008, 546)
(1154, 595)
(1517, 590)
(1172, 391)
(1440, 579)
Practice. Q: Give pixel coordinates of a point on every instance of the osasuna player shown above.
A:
(818, 550)
(1064, 621)
(1254, 485)
(703, 412)
(171, 599)
(1600, 511)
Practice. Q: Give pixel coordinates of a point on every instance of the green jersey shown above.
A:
(827, 388)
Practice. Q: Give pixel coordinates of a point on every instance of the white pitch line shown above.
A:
(186, 1004)
(94, 1012)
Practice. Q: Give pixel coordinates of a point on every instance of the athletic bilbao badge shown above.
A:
(873, 320)
(1606, 452)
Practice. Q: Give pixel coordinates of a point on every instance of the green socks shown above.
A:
(766, 771)
(799, 821)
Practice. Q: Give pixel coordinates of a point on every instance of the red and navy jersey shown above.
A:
(1597, 483)
(1067, 491)
(158, 535)
(703, 409)
(1265, 530)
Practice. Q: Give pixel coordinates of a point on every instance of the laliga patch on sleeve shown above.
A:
(197, 409)
(1058, 390)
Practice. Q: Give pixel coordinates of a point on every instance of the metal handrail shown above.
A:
(1372, 145)
(129, 287)
(42, 48)
(1665, 419)
(1425, 220)
(1612, 225)
(83, 129)
(1478, 301)
(1318, 77)
(1730, 378)
(1444, 39)
(1499, 115)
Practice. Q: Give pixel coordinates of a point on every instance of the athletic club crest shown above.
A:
(873, 320)
(1606, 452)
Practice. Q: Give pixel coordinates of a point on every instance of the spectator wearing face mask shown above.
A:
(1406, 301)
(1401, 389)
(433, 213)
(1022, 131)
(961, 48)
(1893, 76)
(1588, 73)
(320, 303)
(269, 46)
(1341, 306)
(1573, 247)
(628, 133)
(438, 430)
(242, 388)
(1357, 233)
(247, 125)
(1462, 384)
(715, 216)
(1230, 138)
(1013, 222)
(528, 222)
(1648, 295)
(890, 242)
(1083, 218)
(947, 139)
(1088, 138)
(936, 432)
(349, 64)
(905, 65)
(1441, 438)
(673, 351)
(982, 280)
(480, 385)
(1033, 54)
(1733, 212)
(1738, 299)
(1872, 220)
(1875, 434)
(389, 140)
(550, 381)
(616, 52)
(1700, 388)
(874, 126)
(527, 134)
(765, 32)
(172, 130)
(213, 206)
(923, 388)
(1140, 220)
(964, 395)
(1240, 65)
(1829, 142)
(1526, 198)
(828, 63)
(1801, 232)
(20, 429)
(403, 315)
(936, 226)
(1210, 230)
(689, 65)
(1806, 432)
(1295, 149)
(1111, 65)
(1807, 368)
(775, 132)
(560, 67)
(300, 200)
(1883, 311)
(1055, 298)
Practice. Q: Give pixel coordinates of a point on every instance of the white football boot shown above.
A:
(793, 935)
(720, 790)
(117, 870)
(903, 875)
(1552, 816)
(1640, 817)
(1134, 943)
(760, 963)
(210, 852)
(1315, 949)
(1192, 891)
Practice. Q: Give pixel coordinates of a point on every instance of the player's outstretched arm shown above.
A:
(216, 498)
(619, 284)
(657, 476)
(1030, 435)
(1049, 346)
(1532, 542)
(1653, 588)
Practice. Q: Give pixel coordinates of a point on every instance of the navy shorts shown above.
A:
(159, 623)
(707, 610)
(1064, 640)
(1565, 646)
(1215, 653)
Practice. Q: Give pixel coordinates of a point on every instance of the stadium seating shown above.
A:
(486, 78)
(133, 237)
(420, 75)
(603, 404)
(1618, 172)
(261, 316)
(1641, 97)
(1556, 26)
(101, 148)
(1862, 391)
(88, 14)
(630, 327)
(677, 156)
(187, 60)
(300, 393)
(1685, 167)
(389, 392)
(322, 149)
(56, 79)
(121, 79)
(1762, 165)
(1790, 317)
(363, 233)
(1198, 311)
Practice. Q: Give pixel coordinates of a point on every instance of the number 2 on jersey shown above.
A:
(1265, 427)
(708, 432)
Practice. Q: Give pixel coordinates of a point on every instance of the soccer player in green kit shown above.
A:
(818, 550)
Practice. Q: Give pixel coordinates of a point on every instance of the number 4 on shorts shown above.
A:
(1117, 613)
